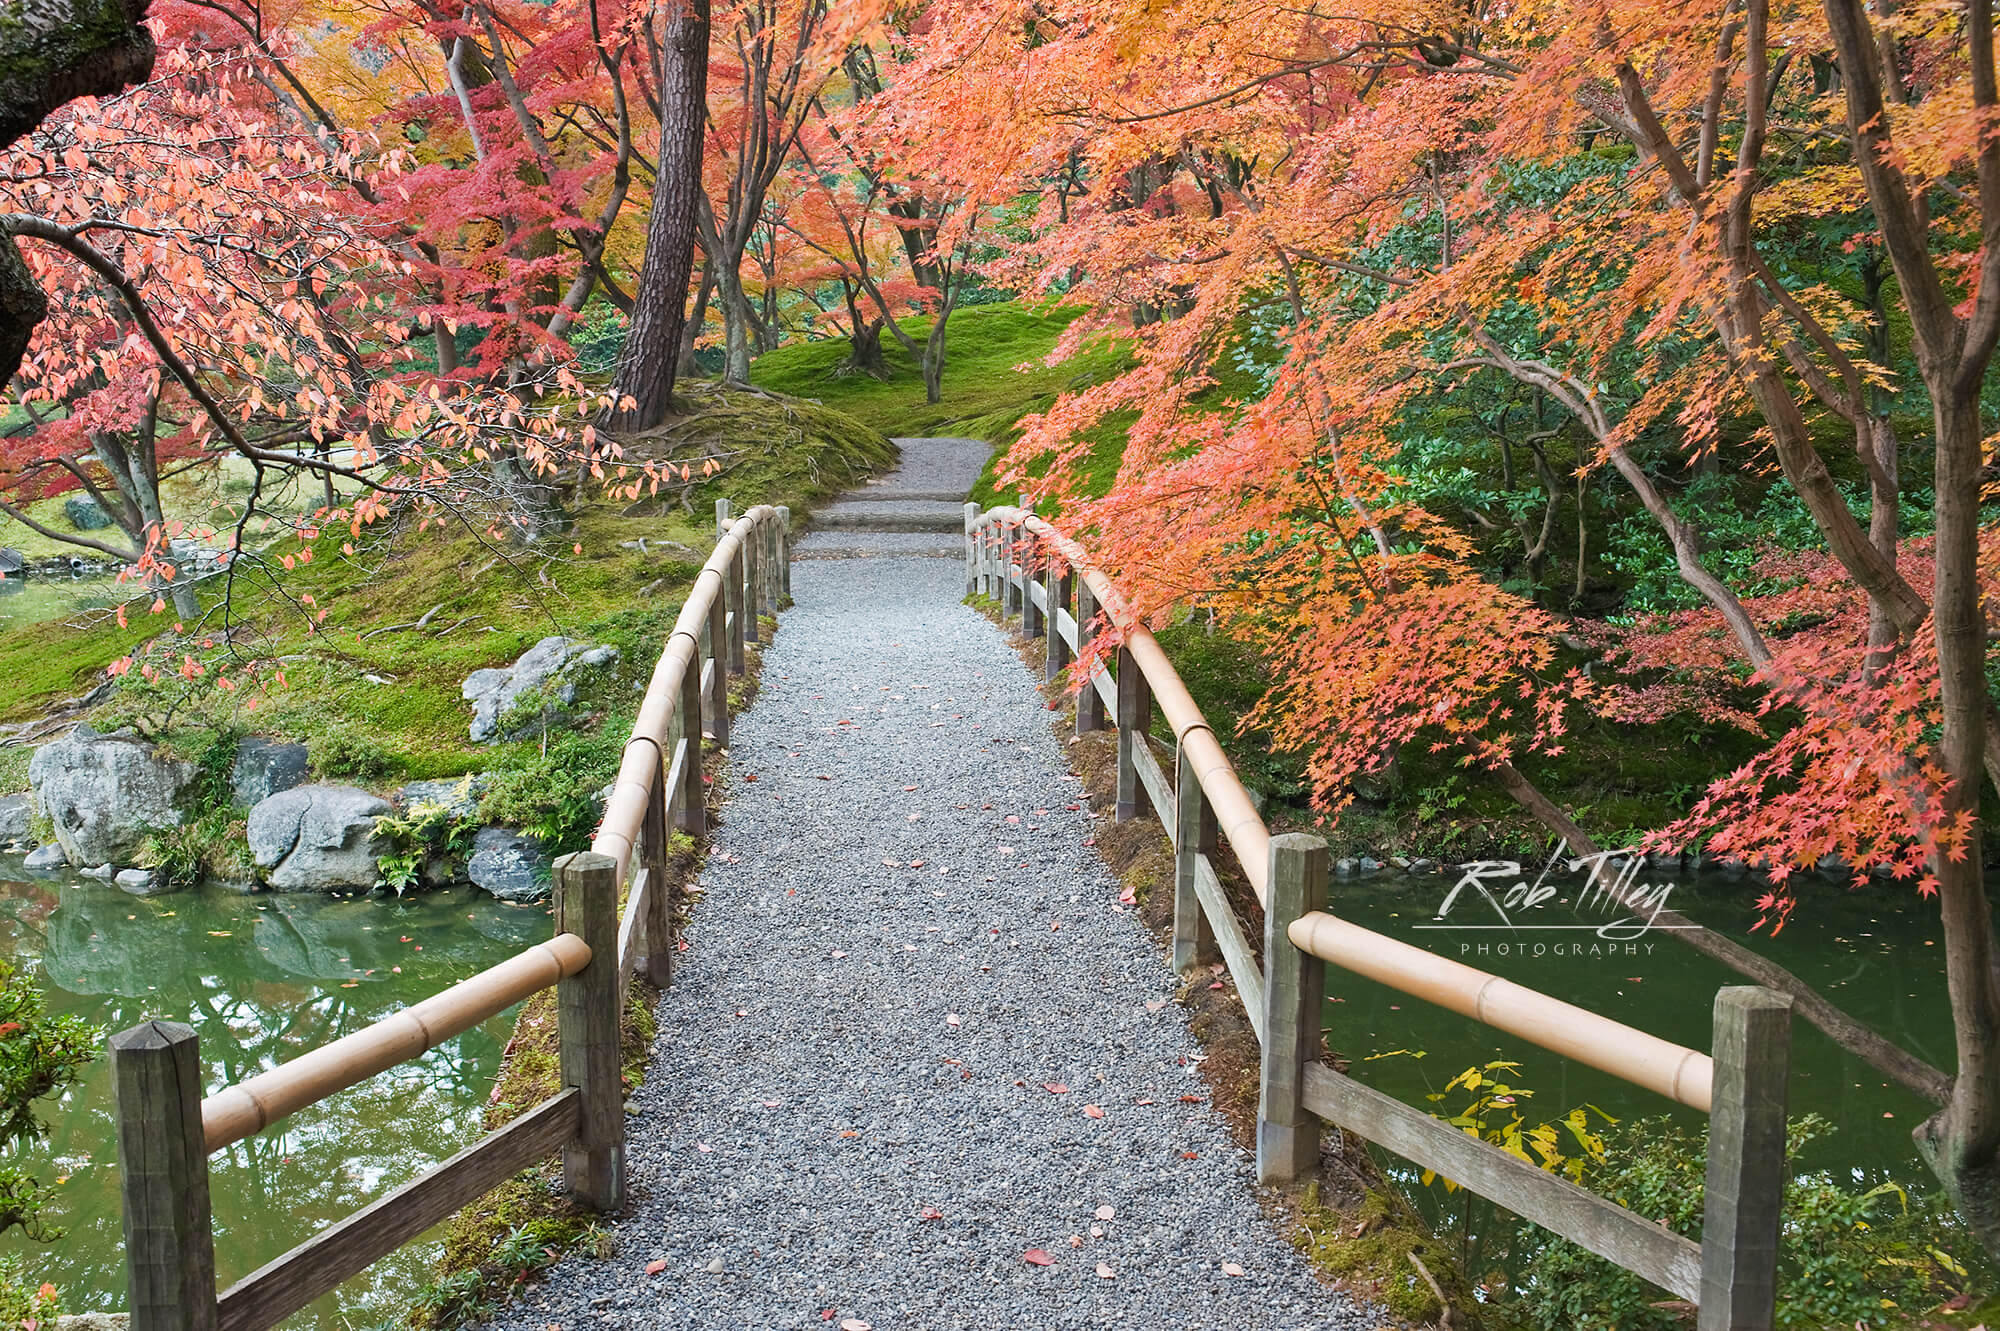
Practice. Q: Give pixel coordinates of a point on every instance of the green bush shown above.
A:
(1848, 1256)
(23, 1304)
(422, 833)
(343, 754)
(39, 1056)
(551, 792)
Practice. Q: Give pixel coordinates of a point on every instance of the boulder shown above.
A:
(85, 513)
(458, 794)
(543, 667)
(50, 856)
(264, 767)
(511, 866)
(104, 793)
(318, 839)
(17, 814)
(104, 871)
(139, 882)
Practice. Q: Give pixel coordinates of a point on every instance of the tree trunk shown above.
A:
(735, 323)
(864, 350)
(652, 350)
(697, 319)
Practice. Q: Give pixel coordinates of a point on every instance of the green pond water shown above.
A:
(31, 598)
(262, 979)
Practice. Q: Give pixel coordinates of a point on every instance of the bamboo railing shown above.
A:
(1045, 579)
(166, 1131)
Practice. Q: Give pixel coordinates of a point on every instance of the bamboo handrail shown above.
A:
(250, 1106)
(618, 834)
(1675, 1071)
(1236, 816)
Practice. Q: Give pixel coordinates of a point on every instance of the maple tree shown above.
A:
(1303, 226)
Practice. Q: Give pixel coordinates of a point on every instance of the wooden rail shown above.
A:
(1032, 572)
(166, 1131)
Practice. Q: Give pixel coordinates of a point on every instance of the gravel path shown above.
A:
(914, 1035)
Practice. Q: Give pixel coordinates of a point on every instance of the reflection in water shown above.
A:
(32, 598)
(262, 979)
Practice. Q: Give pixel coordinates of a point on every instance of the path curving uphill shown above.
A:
(908, 996)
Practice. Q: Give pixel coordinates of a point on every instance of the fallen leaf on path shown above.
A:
(1092, 1111)
(951, 1020)
(1055, 1088)
(656, 1266)
(1231, 1269)
(1155, 1004)
(930, 1213)
(1106, 1212)
(1036, 1257)
(1076, 1240)
(908, 789)
(1128, 897)
(1105, 1272)
(854, 1324)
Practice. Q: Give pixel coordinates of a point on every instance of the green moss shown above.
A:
(993, 374)
(1369, 1252)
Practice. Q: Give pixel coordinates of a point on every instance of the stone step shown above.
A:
(873, 514)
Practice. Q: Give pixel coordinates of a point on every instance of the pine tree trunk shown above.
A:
(652, 352)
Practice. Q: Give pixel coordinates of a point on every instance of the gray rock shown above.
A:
(545, 667)
(1368, 864)
(94, 1322)
(139, 882)
(264, 767)
(459, 794)
(17, 813)
(105, 793)
(85, 513)
(1343, 867)
(511, 866)
(1421, 865)
(101, 871)
(318, 839)
(50, 856)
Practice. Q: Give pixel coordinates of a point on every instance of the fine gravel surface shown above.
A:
(914, 1035)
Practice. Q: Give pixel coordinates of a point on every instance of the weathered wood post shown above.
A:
(587, 1023)
(722, 518)
(659, 903)
(989, 558)
(1089, 703)
(1195, 835)
(750, 557)
(1057, 584)
(784, 555)
(1032, 616)
(1135, 718)
(1745, 1194)
(732, 578)
(163, 1168)
(971, 548)
(1294, 993)
(718, 664)
(693, 801)
(1007, 589)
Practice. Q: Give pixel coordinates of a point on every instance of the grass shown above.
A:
(993, 374)
(381, 703)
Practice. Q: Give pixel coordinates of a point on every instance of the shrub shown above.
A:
(551, 792)
(39, 1056)
(1848, 1256)
(342, 754)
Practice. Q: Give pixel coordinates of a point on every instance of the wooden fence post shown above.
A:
(1135, 718)
(1058, 584)
(753, 582)
(738, 605)
(1195, 835)
(989, 558)
(587, 1022)
(1294, 993)
(971, 548)
(722, 518)
(163, 1168)
(1745, 1195)
(659, 903)
(694, 801)
(1007, 593)
(1089, 703)
(1033, 618)
(784, 555)
(718, 661)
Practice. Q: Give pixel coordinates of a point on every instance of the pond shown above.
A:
(1875, 951)
(30, 598)
(262, 979)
